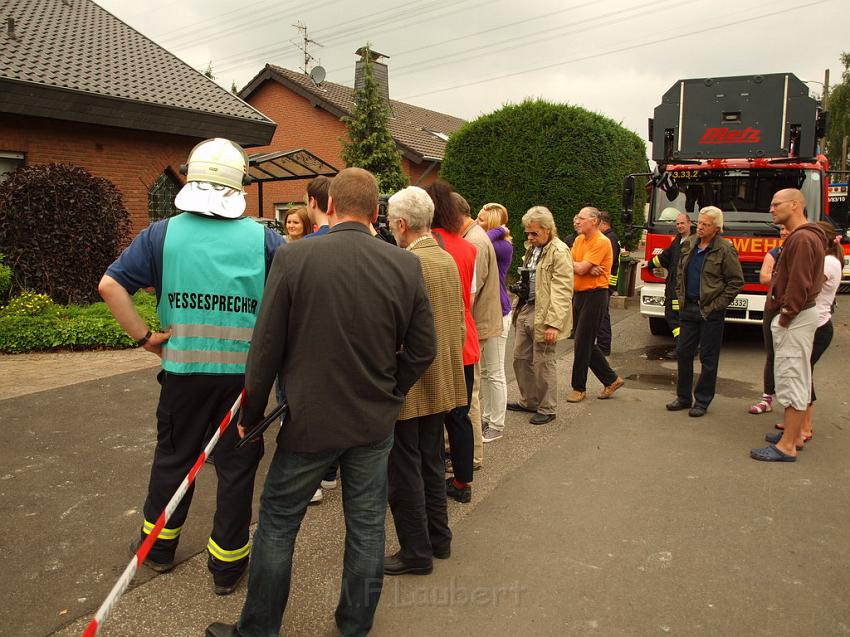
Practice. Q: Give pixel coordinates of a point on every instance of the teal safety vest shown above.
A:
(212, 281)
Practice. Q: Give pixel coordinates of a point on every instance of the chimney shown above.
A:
(379, 72)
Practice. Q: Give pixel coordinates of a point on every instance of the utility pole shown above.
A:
(825, 89)
(303, 45)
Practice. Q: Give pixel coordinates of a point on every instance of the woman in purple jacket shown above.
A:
(493, 218)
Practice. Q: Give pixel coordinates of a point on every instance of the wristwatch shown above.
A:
(144, 339)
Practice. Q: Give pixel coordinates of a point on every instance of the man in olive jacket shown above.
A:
(708, 278)
(544, 318)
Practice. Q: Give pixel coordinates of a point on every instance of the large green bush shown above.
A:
(60, 228)
(538, 153)
(32, 323)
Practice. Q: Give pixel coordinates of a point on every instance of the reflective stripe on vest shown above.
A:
(227, 556)
(212, 282)
(674, 305)
(676, 332)
(612, 280)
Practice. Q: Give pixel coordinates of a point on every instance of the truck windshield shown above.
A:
(743, 195)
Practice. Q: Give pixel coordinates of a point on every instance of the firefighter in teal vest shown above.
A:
(208, 266)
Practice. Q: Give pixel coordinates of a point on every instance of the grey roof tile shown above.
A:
(77, 45)
(411, 126)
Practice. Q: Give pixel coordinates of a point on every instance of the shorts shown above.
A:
(792, 367)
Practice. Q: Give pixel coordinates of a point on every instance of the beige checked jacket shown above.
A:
(442, 387)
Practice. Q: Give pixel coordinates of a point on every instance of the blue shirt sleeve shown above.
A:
(140, 265)
(273, 242)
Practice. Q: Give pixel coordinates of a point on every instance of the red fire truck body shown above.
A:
(732, 143)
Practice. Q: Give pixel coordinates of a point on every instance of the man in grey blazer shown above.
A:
(376, 338)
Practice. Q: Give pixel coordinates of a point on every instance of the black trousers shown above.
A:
(823, 337)
(459, 429)
(417, 489)
(604, 335)
(190, 407)
(707, 335)
(589, 307)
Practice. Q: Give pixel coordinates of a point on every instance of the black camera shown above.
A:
(382, 224)
(522, 287)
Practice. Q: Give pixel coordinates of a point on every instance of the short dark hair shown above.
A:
(605, 217)
(447, 212)
(318, 190)
(355, 193)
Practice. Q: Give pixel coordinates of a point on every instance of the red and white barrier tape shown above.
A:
(127, 576)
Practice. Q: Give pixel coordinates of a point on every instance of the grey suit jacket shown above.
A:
(346, 322)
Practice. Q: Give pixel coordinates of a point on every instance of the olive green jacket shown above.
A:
(721, 278)
(553, 293)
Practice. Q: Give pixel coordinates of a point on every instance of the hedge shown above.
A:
(539, 153)
(60, 228)
(32, 322)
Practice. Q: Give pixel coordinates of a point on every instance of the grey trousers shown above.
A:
(534, 366)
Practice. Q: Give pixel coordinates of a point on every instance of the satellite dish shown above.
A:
(317, 74)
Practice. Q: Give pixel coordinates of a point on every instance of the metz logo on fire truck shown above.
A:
(723, 135)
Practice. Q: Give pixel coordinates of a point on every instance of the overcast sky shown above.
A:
(469, 57)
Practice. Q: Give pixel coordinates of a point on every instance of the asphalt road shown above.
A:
(618, 518)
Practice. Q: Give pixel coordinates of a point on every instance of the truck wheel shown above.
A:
(658, 326)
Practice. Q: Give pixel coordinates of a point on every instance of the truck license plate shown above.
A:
(739, 304)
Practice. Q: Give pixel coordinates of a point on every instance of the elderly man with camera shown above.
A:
(543, 314)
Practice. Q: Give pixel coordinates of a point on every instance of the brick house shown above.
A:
(79, 86)
(309, 117)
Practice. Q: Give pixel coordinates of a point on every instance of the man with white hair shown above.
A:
(543, 315)
(208, 266)
(417, 491)
(708, 278)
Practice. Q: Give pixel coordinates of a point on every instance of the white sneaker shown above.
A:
(317, 497)
(329, 484)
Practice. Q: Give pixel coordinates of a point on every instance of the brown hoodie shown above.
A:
(798, 276)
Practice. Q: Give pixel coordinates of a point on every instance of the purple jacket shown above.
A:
(504, 253)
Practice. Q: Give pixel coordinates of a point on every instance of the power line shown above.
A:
(622, 16)
(235, 62)
(399, 54)
(666, 38)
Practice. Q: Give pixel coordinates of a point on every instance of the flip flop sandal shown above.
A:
(761, 407)
(771, 454)
(776, 437)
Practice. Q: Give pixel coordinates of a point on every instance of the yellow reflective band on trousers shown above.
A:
(612, 280)
(675, 305)
(165, 534)
(656, 261)
(676, 332)
(227, 556)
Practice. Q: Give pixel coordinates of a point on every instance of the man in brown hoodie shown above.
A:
(794, 287)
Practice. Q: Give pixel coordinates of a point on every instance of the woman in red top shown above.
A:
(448, 221)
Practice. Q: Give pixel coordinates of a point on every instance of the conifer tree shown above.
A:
(369, 144)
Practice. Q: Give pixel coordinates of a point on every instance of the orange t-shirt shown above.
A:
(597, 250)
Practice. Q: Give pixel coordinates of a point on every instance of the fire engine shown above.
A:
(731, 142)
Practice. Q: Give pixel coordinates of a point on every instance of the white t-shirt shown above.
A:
(832, 270)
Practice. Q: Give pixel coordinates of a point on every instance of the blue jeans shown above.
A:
(292, 479)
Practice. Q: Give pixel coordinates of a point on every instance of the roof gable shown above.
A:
(421, 133)
(100, 63)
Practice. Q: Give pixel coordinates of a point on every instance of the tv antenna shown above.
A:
(303, 45)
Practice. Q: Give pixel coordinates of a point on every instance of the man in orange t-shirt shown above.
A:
(592, 258)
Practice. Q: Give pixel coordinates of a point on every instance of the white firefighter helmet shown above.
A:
(216, 175)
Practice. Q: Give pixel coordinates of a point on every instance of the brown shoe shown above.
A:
(576, 396)
(610, 389)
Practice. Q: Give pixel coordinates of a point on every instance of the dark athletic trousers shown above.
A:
(190, 406)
